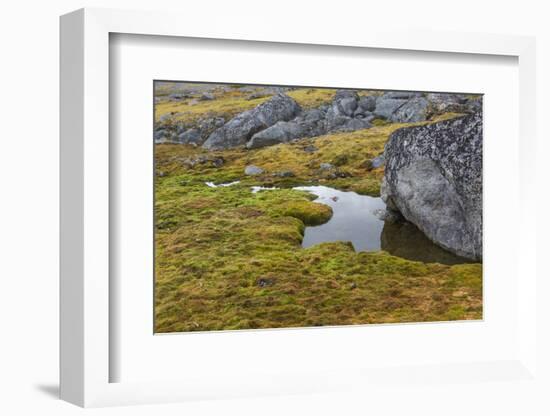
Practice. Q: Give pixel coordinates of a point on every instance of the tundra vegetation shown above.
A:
(228, 258)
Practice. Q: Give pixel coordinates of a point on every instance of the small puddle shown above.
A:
(355, 219)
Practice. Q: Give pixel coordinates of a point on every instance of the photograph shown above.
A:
(304, 206)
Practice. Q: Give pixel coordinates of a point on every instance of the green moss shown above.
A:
(308, 213)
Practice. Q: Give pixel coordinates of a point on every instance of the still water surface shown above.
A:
(353, 219)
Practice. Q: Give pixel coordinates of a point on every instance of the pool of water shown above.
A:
(355, 220)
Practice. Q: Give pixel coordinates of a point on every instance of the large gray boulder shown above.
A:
(281, 132)
(385, 107)
(433, 177)
(191, 136)
(367, 103)
(414, 110)
(241, 128)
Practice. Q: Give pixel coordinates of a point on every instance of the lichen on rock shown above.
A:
(433, 177)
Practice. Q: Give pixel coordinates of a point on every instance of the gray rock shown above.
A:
(335, 117)
(314, 115)
(378, 161)
(159, 134)
(190, 136)
(281, 132)
(367, 103)
(207, 96)
(207, 125)
(433, 177)
(253, 170)
(241, 128)
(474, 105)
(326, 166)
(385, 107)
(348, 105)
(341, 94)
(412, 111)
(355, 124)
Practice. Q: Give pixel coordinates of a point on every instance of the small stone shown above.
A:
(353, 286)
(378, 161)
(265, 281)
(207, 96)
(253, 170)
(326, 166)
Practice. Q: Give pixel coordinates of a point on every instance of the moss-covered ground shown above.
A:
(227, 258)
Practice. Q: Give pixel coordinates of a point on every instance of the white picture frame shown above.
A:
(85, 220)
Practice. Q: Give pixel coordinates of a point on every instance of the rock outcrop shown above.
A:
(241, 128)
(433, 177)
(347, 112)
(170, 130)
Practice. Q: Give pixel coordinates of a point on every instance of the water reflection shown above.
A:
(404, 239)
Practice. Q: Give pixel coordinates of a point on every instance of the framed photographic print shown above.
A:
(281, 206)
(239, 220)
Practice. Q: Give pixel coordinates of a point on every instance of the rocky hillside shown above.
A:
(280, 118)
(433, 177)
